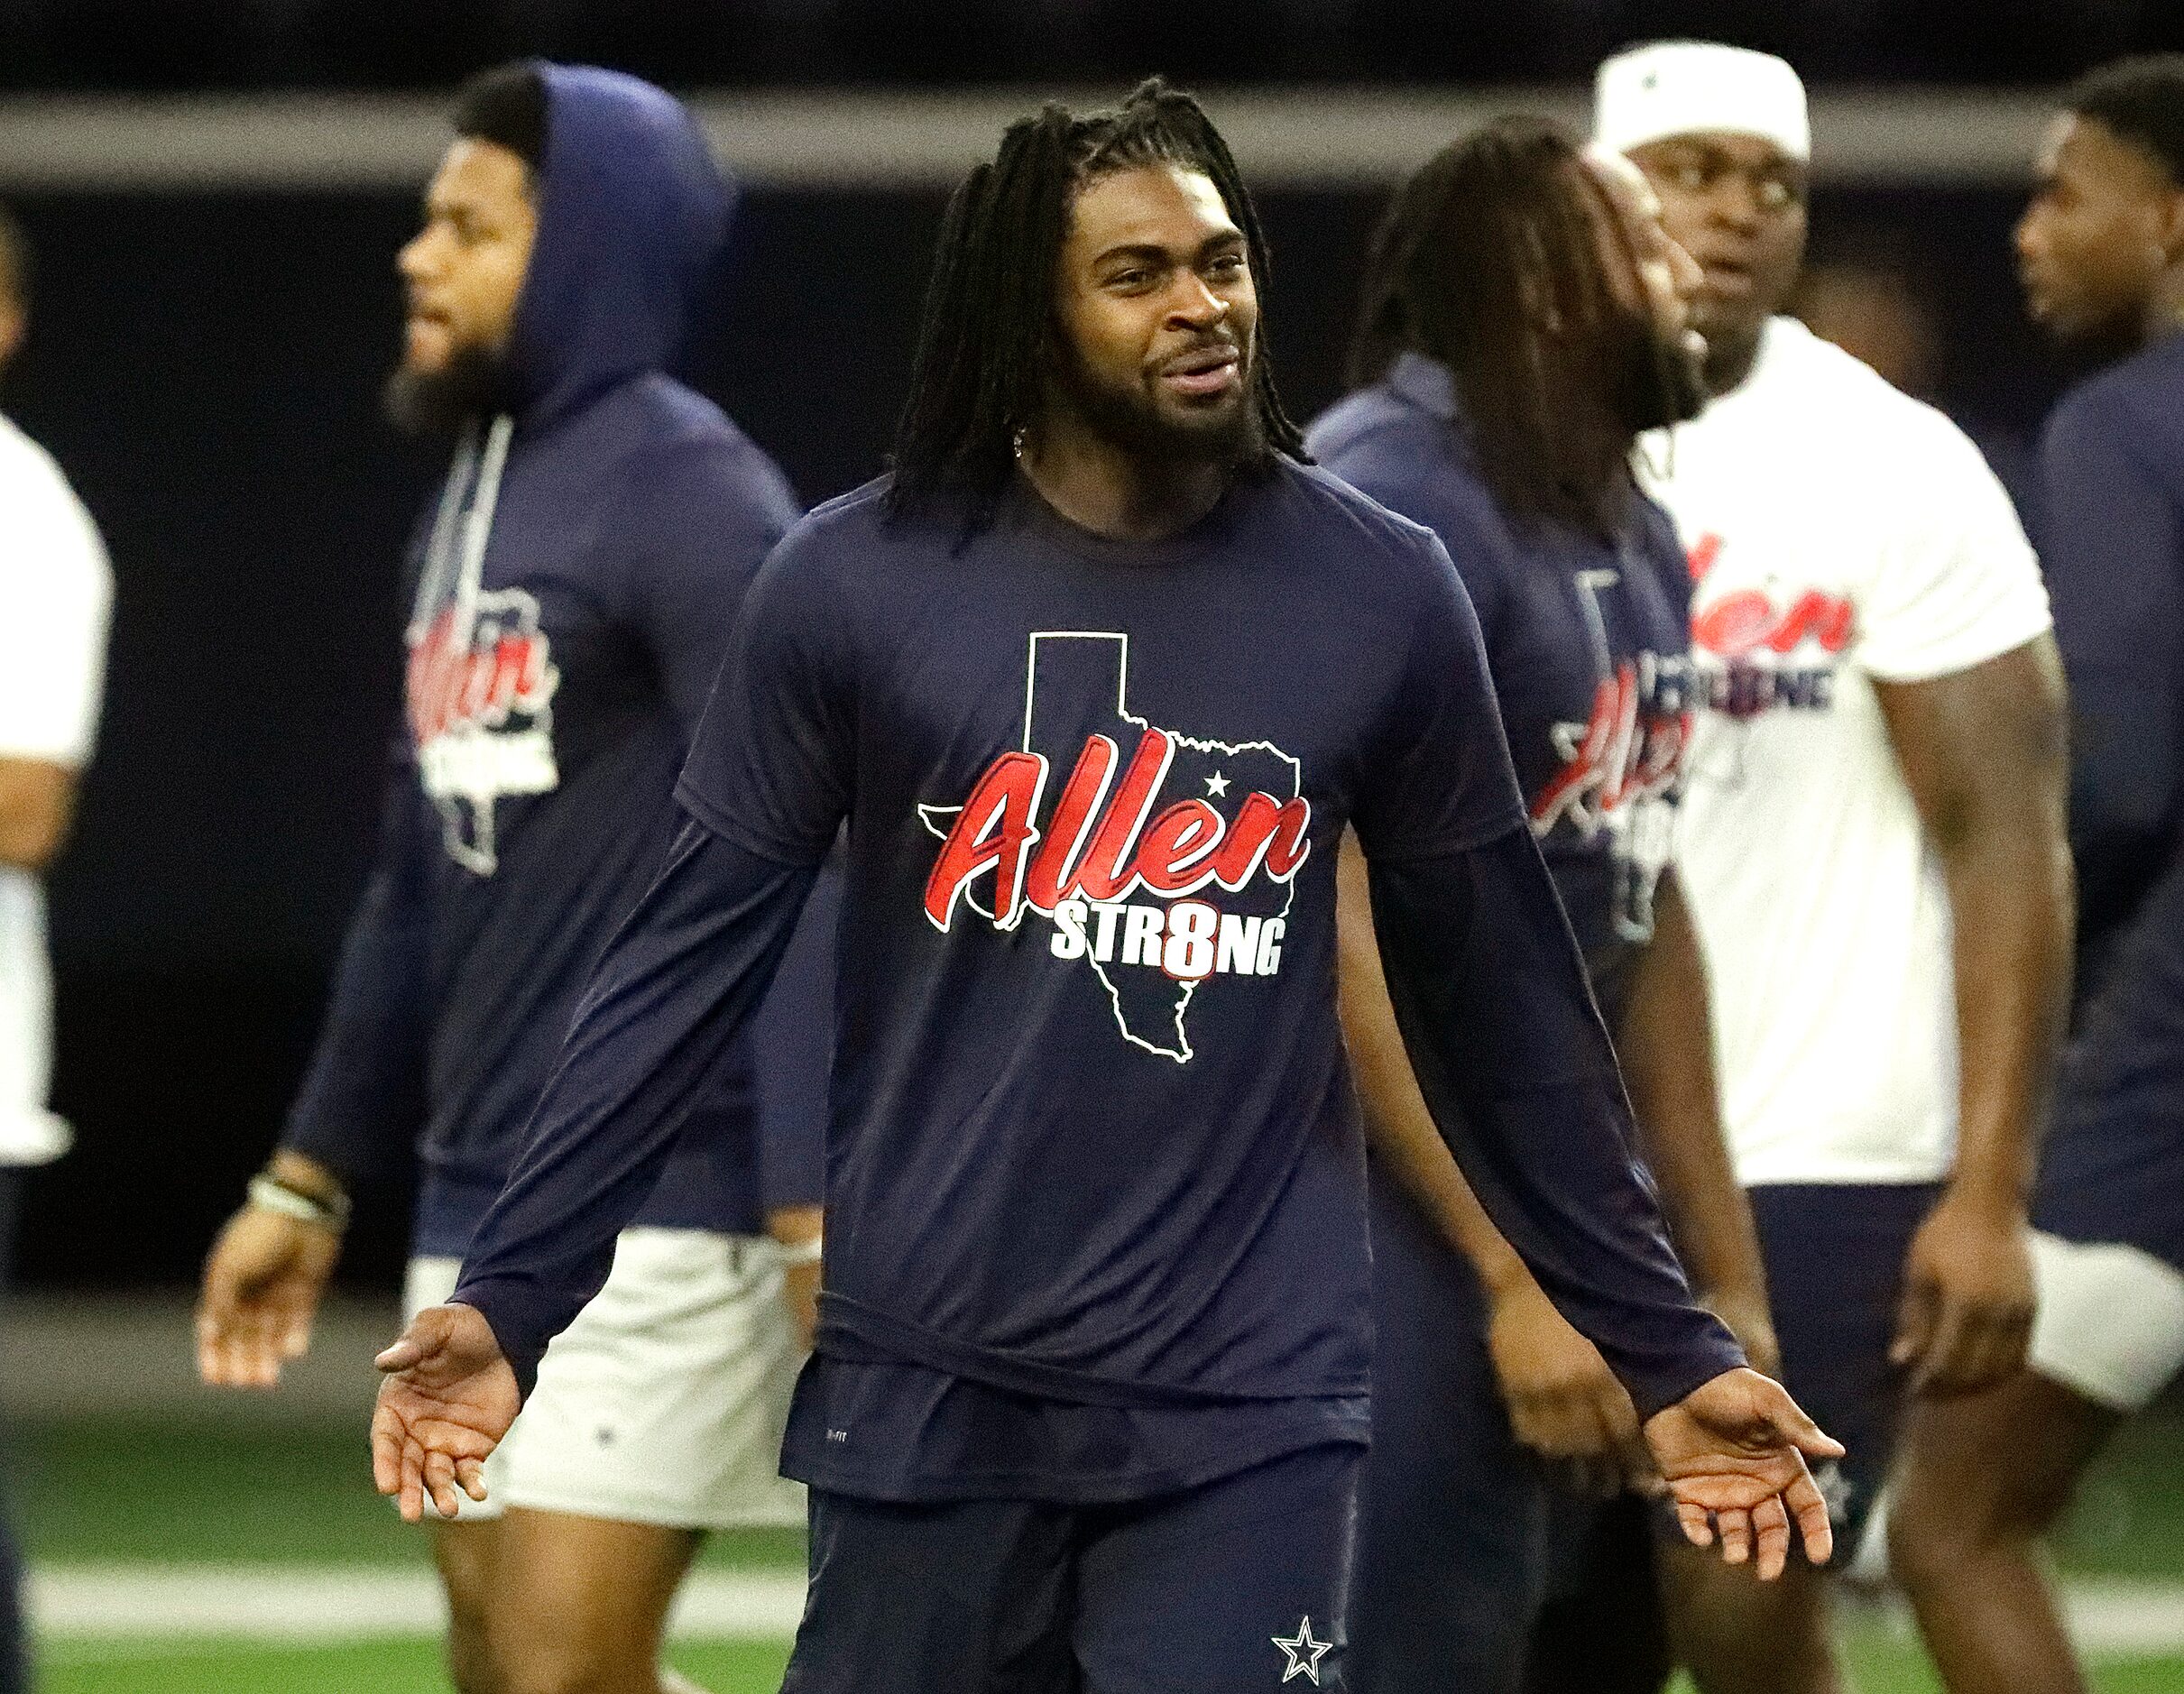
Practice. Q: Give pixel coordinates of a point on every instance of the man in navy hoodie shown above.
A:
(573, 592)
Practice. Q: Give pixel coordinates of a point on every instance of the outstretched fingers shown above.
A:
(440, 1483)
(411, 1499)
(1809, 1505)
(1771, 1537)
(1733, 1524)
(386, 1451)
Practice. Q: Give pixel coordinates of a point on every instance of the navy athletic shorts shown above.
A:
(1476, 1570)
(1237, 1585)
(1834, 1257)
(2113, 1169)
(1453, 1513)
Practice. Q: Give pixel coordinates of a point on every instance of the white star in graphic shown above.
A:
(1217, 784)
(1835, 1490)
(1304, 1654)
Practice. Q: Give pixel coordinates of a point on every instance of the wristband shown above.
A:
(270, 1194)
(795, 1253)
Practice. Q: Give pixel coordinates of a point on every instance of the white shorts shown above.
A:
(2111, 1320)
(665, 1401)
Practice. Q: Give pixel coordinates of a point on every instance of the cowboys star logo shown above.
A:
(1304, 1654)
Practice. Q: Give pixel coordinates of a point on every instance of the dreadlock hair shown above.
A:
(2142, 101)
(988, 333)
(1488, 260)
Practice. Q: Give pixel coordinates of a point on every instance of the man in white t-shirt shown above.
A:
(1884, 747)
(55, 593)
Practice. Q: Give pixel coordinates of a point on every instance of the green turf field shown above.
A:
(136, 1497)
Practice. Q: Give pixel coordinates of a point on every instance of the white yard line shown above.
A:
(296, 1604)
(88, 1611)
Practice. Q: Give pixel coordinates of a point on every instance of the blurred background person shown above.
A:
(1871, 301)
(1522, 325)
(1870, 307)
(2101, 251)
(1874, 844)
(573, 592)
(56, 595)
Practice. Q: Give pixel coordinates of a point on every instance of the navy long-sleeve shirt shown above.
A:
(2112, 546)
(2112, 540)
(1092, 1148)
(1587, 640)
(573, 595)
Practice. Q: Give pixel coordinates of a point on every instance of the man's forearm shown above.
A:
(1984, 754)
(1490, 994)
(1667, 1049)
(361, 1100)
(2010, 889)
(672, 991)
(1397, 1122)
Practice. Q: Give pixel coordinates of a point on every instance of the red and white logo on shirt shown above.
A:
(480, 689)
(1768, 648)
(1161, 859)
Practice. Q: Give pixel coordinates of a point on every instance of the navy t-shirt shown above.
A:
(1587, 640)
(1094, 1172)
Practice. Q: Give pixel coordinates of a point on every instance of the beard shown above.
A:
(1130, 416)
(435, 405)
(1661, 377)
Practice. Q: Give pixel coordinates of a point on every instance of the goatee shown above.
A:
(1133, 420)
(435, 405)
(1663, 379)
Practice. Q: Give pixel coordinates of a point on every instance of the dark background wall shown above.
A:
(394, 43)
(207, 370)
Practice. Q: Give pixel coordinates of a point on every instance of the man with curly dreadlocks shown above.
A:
(1523, 324)
(1098, 677)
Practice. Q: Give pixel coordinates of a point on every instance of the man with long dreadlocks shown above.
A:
(1096, 678)
(1522, 325)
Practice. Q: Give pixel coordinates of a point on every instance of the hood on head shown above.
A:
(633, 214)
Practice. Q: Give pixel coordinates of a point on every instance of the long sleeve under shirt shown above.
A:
(1095, 1180)
(2111, 461)
(2112, 544)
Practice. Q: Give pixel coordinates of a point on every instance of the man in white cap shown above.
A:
(1874, 847)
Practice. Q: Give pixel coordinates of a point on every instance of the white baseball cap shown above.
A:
(1690, 87)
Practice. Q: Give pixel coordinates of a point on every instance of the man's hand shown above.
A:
(263, 1281)
(797, 1230)
(1967, 1312)
(1733, 1455)
(1564, 1403)
(448, 1398)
